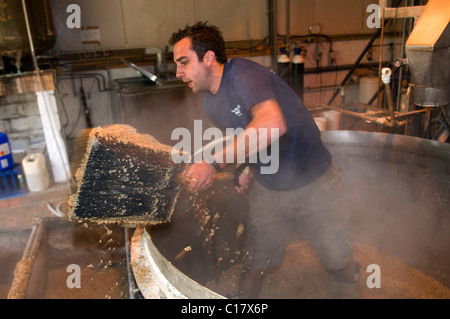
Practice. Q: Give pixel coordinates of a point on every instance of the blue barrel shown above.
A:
(6, 159)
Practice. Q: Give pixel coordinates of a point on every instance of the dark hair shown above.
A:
(204, 38)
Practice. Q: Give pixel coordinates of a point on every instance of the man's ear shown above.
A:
(209, 57)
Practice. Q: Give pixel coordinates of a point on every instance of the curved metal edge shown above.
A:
(161, 275)
(172, 281)
(388, 141)
(145, 281)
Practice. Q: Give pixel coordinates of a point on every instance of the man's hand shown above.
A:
(245, 179)
(199, 176)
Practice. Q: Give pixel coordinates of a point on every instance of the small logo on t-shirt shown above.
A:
(237, 110)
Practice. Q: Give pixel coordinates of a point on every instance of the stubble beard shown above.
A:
(204, 84)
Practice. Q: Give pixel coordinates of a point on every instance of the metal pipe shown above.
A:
(288, 21)
(30, 39)
(38, 238)
(28, 249)
(390, 103)
(363, 116)
(382, 119)
(381, 88)
(272, 13)
(402, 56)
(386, 78)
(382, 5)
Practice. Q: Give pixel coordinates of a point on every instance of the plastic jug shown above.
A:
(35, 171)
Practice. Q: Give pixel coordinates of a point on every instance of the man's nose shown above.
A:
(179, 73)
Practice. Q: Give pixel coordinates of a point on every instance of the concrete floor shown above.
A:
(18, 213)
(99, 251)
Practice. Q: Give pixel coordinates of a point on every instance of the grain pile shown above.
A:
(99, 252)
(22, 274)
(301, 276)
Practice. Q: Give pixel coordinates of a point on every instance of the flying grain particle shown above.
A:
(239, 230)
(108, 231)
(183, 252)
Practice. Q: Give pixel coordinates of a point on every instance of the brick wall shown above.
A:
(19, 117)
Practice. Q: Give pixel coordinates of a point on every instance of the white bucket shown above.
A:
(368, 86)
(35, 171)
(321, 123)
(333, 120)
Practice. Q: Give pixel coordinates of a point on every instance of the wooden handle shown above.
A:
(223, 177)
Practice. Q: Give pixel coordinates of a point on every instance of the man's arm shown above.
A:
(266, 115)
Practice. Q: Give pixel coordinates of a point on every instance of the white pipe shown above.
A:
(386, 75)
(57, 211)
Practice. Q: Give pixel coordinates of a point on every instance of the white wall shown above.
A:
(143, 23)
(335, 17)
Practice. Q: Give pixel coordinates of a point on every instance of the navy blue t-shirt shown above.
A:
(302, 155)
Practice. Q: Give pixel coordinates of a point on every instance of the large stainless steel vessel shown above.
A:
(398, 192)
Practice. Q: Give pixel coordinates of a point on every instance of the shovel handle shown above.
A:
(223, 177)
(227, 176)
(219, 177)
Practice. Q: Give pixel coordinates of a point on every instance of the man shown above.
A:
(304, 192)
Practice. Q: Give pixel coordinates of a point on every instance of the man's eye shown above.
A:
(184, 62)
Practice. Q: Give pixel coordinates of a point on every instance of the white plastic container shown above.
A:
(35, 171)
(368, 86)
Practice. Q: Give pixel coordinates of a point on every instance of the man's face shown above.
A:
(189, 69)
